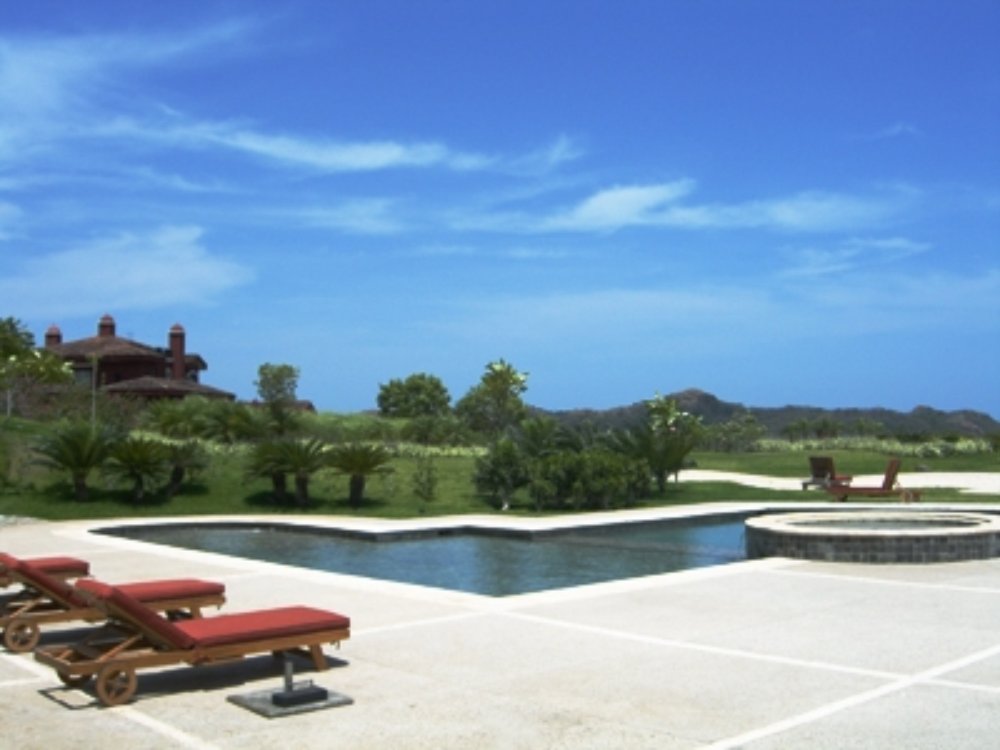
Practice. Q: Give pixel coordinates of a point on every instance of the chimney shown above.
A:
(53, 337)
(106, 326)
(177, 369)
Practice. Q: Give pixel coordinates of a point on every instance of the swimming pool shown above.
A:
(476, 560)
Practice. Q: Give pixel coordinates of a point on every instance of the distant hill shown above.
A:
(922, 420)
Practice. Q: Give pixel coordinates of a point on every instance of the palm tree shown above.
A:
(183, 459)
(77, 449)
(140, 461)
(663, 441)
(176, 419)
(265, 460)
(663, 452)
(228, 422)
(302, 459)
(359, 461)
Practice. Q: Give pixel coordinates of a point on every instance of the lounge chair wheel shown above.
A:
(21, 635)
(73, 680)
(116, 685)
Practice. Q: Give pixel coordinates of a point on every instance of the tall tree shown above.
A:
(419, 395)
(277, 386)
(494, 404)
(15, 338)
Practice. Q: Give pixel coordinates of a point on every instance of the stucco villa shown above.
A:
(121, 366)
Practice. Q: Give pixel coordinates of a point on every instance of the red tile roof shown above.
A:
(166, 387)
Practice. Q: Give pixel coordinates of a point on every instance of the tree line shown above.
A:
(556, 466)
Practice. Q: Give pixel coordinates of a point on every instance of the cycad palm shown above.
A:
(265, 460)
(140, 461)
(183, 459)
(77, 449)
(302, 459)
(359, 461)
(228, 422)
(176, 419)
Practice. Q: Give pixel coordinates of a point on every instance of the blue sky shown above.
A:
(779, 202)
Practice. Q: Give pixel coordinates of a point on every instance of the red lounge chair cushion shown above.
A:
(256, 626)
(177, 588)
(126, 608)
(57, 565)
(55, 589)
(7, 564)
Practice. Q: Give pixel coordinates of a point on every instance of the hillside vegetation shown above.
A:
(921, 423)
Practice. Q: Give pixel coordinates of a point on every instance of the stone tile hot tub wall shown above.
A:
(786, 535)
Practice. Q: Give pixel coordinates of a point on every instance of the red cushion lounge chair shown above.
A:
(65, 568)
(890, 487)
(136, 637)
(47, 599)
(822, 473)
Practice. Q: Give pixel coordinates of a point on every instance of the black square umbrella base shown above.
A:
(277, 703)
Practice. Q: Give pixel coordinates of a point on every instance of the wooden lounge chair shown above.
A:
(890, 487)
(63, 568)
(46, 599)
(823, 474)
(137, 637)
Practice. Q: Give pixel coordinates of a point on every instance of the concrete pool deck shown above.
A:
(765, 654)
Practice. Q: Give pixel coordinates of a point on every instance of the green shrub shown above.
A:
(424, 481)
(140, 462)
(591, 478)
(502, 472)
(77, 449)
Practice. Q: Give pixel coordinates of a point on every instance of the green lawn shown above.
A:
(224, 489)
(26, 489)
(796, 463)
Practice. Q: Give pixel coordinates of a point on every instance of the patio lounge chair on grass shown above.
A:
(136, 637)
(890, 487)
(823, 474)
(47, 599)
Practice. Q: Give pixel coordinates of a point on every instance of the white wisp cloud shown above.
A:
(165, 267)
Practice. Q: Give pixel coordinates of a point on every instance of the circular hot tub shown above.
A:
(875, 536)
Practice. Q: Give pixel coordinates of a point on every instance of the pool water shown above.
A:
(476, 561)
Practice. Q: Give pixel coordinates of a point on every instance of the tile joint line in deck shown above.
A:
(705, 648)
(162, 728)
(885, 581)
(924, 677)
